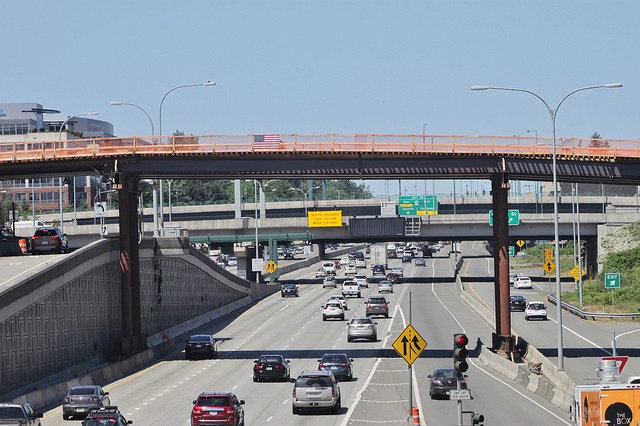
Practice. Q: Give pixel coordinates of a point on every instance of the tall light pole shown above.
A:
(305, 198)
(553, 112)
(74, 178)
(537, 183)
(153, 185)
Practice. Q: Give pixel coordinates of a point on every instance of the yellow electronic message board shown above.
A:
(327, 218)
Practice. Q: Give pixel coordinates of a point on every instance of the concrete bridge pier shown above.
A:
(502, 338)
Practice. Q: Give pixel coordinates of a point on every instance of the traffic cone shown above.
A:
(23, 245)
(415, 413)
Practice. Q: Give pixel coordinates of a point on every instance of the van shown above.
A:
(29, 224)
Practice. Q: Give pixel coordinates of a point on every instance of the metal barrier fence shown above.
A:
(586, 314)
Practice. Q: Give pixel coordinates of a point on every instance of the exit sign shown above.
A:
(612, 280)
(513, 217)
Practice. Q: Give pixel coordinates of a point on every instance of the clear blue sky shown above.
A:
(329, 66)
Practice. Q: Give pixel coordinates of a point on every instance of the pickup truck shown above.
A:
(350, 288)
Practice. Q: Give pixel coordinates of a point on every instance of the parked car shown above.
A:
(522, 282)
(442, 380)
(289, 290)
(341, 299)
(378, 270)
(109, 416)
(271, 367)
(362, 281)
(385, 286)
(217, 408)
(19, 414)
(377, 305)
(329, 281)
(49, 239)
(332, 309)
(338, 363)
(362, 328)
(203, 345)
(82, 399)
(517, 303)
(535, 310)
(420, 261)
(316, 389)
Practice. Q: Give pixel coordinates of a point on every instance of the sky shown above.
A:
(329, 66)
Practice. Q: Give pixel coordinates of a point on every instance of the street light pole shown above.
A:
(304, 200)
(60, 179)
(553, 112)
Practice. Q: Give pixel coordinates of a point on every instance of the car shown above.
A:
(344, 260)
(378, 270)
(217, 408)
(232, 261)
(321, 272)
(332, 309)
(362, 328)
(360, 262)
(350, 288)
(49, 239)
(341, 299)
(352, 255)
(203, 345)
(316, 389)
(377, 305)
(393, 278)
(329, 267)
(12, 245)
(406, 257)
(350, 269)
(385, 286)
(271, 367)
(420, 261)
(109, 416)
(82, 399)
(517, 303)
(361, 280)
(289, 254)
(512, 277)
(339, 364)
(329, 281)
(289, 290)
(442, 380)
(19, 414)
(398, 270)
(523, 282)
(535, 310)
(337, 263)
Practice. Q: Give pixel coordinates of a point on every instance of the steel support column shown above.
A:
(132, 341)
(502, 339)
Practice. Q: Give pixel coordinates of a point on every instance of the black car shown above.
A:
(517, 303)
(11, 245)
(289, 290)
(203, 345)
(406, 258)
(443, 380)
(49, 239)
(393, 277)
(339, 364)
(109, 415)
(271, 367)
(378, 270)
(289, 254)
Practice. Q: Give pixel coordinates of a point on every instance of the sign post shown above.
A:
(612, 281)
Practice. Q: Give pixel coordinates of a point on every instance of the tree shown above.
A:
(597, 141)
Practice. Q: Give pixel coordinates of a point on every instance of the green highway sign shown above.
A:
(513, 217)
(417, 205)
(512, 251)
(612, 280)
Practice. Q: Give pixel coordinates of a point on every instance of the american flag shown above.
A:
(266, 141)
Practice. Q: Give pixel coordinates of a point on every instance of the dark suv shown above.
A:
(377, 305)
(378, 270)
(49, 239)
(19, 414)
(106, 416)
(289, 290)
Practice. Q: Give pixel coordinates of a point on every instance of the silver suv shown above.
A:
(362, 328)
(316, 389)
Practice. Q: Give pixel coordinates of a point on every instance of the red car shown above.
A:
(215, 408)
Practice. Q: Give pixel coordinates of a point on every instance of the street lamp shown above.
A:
(74, 178)
(154, 185)
(553, 112)
(305, 197)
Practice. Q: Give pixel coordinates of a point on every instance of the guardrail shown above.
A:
(586, 314)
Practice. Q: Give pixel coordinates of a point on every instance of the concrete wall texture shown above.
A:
(67, 316)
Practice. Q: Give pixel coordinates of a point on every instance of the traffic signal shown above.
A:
(477, 419)
(460, 353)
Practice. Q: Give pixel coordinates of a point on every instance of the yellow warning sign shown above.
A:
(271, 266)
(326, 218)
(409, 344)
(575, 273)
(549, 266)
(520, 243)
(548, 253)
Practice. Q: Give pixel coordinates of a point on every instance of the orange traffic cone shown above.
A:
(415, 413)
(23, 245)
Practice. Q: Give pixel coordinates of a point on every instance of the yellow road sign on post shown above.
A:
(575, 273)
(549, 266)
(271, 266)
(548, 253)
(409, 344)
(520, 243)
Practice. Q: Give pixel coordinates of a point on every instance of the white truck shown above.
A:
(350, 288)
(378, 256)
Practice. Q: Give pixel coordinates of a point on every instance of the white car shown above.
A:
(332, 309)
(329, 281)
(535, 310)
(385, 286)
(362, 280)
(350, 269)
(523, 282)
(329, 267)
(361, 263)
(340, 298)
(397, 270)
(233, 261)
